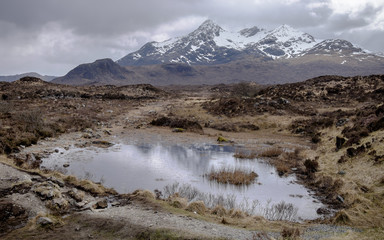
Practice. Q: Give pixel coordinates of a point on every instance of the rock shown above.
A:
(340, 142)
(47, 190)
(101, 204)
(43, 221)
(57, 181)
(341, 172)
(341, 122)
(340, 198)
(323, 211)
(76, 194)
(102, 143)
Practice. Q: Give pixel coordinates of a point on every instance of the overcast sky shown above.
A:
(53, 36)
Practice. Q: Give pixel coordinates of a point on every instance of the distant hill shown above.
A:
(100, 72)
(11, 78)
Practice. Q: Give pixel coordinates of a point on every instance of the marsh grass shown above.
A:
(271, 152)
(227, 205)
(245, 155)
(232, 176)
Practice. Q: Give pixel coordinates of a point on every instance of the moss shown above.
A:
(222, 139)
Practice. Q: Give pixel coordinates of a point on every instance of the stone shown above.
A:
(43, 221)
(323, 211)
(101, 204)
(340, 198)
(76, 194)
(340, 142)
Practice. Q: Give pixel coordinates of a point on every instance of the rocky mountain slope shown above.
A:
(211, 44)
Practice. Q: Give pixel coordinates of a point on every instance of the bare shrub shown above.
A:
(280, 211)
(311, 166)
(31, 120)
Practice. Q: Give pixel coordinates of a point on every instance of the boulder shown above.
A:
(44, 221)
(101, 204)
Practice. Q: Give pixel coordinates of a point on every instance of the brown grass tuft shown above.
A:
(219, 211)
(290, 233)
(244, 155)
(232, 176)
(341, 218)
(198, 207)
(272, 152)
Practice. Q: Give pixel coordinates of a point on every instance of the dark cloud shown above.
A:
(53, 36)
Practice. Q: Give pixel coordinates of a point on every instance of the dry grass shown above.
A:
(232, 176)
(245, 155)
(271, 152)
(364, 208)
(198, 207)
(89, 186)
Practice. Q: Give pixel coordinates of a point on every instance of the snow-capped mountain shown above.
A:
(211, 44)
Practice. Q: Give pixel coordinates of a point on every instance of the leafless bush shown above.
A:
(280, 211)
(210, 200)
(32, 120)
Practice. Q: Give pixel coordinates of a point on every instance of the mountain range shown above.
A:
(211, 55)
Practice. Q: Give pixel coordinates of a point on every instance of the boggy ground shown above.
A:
(331, 126)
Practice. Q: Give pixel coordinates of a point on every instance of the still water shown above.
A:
(130, 167)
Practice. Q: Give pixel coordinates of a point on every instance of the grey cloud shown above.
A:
(343, 22)
(53, 36)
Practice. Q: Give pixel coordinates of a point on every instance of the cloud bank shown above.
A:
(53, 36)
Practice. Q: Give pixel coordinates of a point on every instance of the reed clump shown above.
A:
(232, 176)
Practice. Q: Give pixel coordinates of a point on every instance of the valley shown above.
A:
(325, 133)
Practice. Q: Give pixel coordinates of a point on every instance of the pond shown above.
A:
(130, 167)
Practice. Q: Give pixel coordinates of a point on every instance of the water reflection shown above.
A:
(130, 167)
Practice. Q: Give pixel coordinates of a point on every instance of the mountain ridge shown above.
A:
(210, 44)
(212, 55)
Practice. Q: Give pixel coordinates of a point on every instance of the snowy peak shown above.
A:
(211, 44)
(335, 46)
(286, 33)
(208, 27)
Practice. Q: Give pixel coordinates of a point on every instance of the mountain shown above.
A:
(210, 45)
(11, 78)
(213, 55)
(100, 72)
